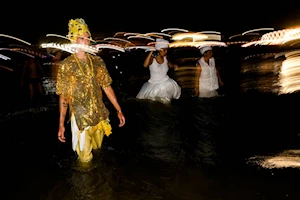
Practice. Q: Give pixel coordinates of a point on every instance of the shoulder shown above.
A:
(67, 60)
(98, 61)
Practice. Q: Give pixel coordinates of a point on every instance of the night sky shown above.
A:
(29, 22)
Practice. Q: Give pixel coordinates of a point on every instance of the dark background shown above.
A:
(29, 21)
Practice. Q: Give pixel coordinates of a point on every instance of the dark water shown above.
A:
(193, 149)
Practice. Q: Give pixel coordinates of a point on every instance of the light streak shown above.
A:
(62, 47)
(174, 29)
(258, 29)
(6, 68)
(276, 37)
(214, 32)
(155, 33)
(109, 46)
(141, 37)
(8, 49)
(146, 48)
(119, 33)
(289, 78)
(70, 47)
(55, 35)
(181, 36)
(126, 34)
(4, 57)
(197, 44)
(119, 39)
(15, 38)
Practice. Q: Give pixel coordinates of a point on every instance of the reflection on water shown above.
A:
(287, 158)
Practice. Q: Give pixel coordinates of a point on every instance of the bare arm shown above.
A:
(113, 99)
(219, 77)
(149, 59)
(197, 77)
(63, 107)
(172, 65)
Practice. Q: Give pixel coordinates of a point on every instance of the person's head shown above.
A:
(79, 32)
(162, 46)
(206, 51)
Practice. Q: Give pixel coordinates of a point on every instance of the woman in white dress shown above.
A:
(160, 87)
(208, 79)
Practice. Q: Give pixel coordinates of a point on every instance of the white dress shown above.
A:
(208, 81)
(160, 87)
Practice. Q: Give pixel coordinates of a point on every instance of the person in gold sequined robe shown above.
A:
(81, 78)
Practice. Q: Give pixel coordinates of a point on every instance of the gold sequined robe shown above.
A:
(83, 91)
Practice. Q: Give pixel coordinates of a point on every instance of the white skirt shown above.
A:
(163, 91)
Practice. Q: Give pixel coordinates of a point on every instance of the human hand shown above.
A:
(61, 134)
(121, 119)
(175, 67)
(221, 83)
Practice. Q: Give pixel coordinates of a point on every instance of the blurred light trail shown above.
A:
(155, 33)
(141, 37)
(126, 34)
(258, 29)
(15, 38)
(276, 37)
(208, 32)
(55, 35)
(109, 46)
(62, 47)
(9, 69)
(4, 57)
(119, 39)
(146, 48)
(10, 49)
(181, 36)
(197, 44)
(289, 77)
(174, 29)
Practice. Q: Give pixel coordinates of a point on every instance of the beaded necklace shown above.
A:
(91, 64)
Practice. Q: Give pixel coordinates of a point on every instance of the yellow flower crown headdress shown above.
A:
(77, 27)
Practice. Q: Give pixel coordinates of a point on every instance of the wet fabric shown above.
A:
(160, 87)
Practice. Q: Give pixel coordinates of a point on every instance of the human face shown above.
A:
(84, 39)
(163, 52)
(208, 53)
